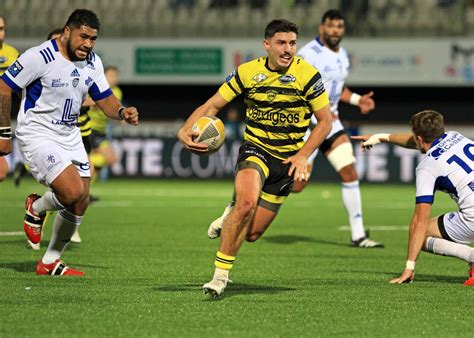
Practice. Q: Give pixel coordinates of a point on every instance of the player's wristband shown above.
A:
(5, 133)
(410, 265)
(120, 112)
(355, 99)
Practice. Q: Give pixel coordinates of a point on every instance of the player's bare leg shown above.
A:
(341, 157)
(71, 192)
(3, 168)
(436, 244)
(247, 191)
(261, 221)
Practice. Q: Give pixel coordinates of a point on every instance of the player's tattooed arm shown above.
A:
(5, 126)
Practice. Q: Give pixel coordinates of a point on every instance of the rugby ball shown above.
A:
(211, 132)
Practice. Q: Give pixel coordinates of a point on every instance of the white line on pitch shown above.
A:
(11, 233)
(379, 227)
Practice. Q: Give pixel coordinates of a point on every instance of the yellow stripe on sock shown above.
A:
(224, 261)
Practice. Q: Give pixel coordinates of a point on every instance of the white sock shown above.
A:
(353, 204)
(221, 272)
(443, 247)
(46, 203)
(65, 224)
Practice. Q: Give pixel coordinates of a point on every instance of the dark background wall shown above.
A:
(393, 104)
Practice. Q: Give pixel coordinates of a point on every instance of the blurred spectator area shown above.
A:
(241, 18)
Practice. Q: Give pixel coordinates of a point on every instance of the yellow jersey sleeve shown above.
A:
(8, 55)
(315, 93)
(232, 87)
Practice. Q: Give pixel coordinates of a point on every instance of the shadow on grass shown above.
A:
(231, 290)
(28, 267)
(419, 277)
(291, 239)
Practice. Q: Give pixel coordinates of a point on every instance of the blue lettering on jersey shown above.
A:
(68, 115)
(56, 83)
(15, 69)
(75, 73)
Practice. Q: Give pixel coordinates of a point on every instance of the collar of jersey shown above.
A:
(438, 140)
(276, 71)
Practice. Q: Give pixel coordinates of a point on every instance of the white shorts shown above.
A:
(47, 159)
(336, 127)
(455, 228)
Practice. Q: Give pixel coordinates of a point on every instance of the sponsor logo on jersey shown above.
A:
(471, 185)
(75, 73)
(56, 83)
(319, 86)
(51, 159)
(253, 151)
(15, 69)
(437, 153)
(271, 94)
(275, 117)
(84, 166)
(75, 82)
(260, 77)
(287, 78)
(231, 75)
(88, 81)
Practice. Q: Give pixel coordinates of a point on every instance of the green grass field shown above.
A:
(146, 255)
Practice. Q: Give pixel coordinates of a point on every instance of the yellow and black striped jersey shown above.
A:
(279, 105)
(8, 55)
(84, 122)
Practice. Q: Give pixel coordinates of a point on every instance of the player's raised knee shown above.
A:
(71, 195)
(253, 236)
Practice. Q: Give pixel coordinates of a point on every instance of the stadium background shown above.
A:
(174, 54)
(145, 249)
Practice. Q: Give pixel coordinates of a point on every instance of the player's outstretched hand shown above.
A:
(186, 139)
(366, 103)
(407, 277)
(299, 167)
(370, 140)
(130, 115)
(5, 147)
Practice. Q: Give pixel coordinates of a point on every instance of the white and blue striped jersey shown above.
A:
(449, 167)
(333, 66)
(53, 89)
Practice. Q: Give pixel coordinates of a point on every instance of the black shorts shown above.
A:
(97, 139)
(276, 183)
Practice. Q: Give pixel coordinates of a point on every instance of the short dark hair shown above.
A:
(332, 14)
(54, 32)
(280, 25)
(428, 124)
(83, 17)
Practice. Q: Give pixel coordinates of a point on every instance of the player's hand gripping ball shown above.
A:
(211, 132)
